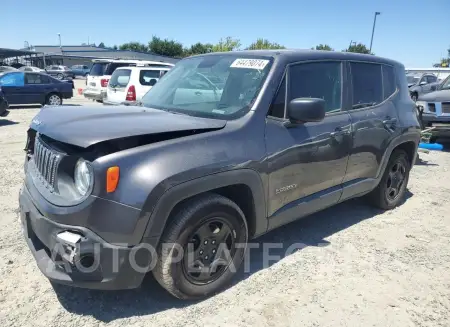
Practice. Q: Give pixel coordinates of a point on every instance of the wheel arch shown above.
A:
(242, 186)
(408, 142)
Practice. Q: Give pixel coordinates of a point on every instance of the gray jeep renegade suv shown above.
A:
(224, 148)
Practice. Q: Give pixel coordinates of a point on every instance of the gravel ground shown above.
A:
(360, 266)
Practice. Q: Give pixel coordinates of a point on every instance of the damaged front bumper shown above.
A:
(74, 255)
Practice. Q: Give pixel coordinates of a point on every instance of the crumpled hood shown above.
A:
(85, 126)
(436, 96)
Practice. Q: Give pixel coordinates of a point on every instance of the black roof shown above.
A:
(8, 53)
(292, 55)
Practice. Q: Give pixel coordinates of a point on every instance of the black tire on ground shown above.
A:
(59, 76)
(414, 96)
(194, 214)
(51, 99)
(381, 196)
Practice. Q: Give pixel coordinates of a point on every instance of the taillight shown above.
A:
(131, 94)
(104, 82)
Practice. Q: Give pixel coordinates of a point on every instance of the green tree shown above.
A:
(134, 46)
(358, 48)
(260, 44)
(115, 47)
(324, 47)
(227, 44)
(166, 47)
(101, 45)
(197, 48)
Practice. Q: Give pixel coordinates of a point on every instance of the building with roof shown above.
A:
(69, 55)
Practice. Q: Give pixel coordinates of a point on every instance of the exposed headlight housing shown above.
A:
(83, 177)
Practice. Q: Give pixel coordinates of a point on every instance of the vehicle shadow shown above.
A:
(6, 122)
(421, 162)
(151, 298)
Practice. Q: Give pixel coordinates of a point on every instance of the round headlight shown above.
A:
(83, 177)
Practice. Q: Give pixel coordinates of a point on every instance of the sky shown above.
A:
(413, 32)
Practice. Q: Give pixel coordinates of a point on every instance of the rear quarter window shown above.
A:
(389, 83)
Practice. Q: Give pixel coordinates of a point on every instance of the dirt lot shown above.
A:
(361, 267)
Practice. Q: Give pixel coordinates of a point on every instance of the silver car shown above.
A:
(421, 84)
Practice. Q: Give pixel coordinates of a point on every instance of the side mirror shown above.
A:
(302, 110)
(152, 82)
(423, 83)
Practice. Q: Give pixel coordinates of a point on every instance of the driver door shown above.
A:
(196, 89)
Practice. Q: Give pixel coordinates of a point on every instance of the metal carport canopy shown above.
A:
(8, 53)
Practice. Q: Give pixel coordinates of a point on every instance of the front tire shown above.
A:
(392, 187)
(204, 229)
(414, 96)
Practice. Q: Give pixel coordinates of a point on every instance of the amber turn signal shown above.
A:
(112, 179)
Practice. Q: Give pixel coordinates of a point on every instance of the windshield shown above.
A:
(412, 79)
(216, 86)
(446, 84)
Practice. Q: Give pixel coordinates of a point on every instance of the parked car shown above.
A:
(181, 183)
(436, 110)
(60, 72)
(129, 84)
(7, 69)
(31, 69)
(3, 105)
(80, 70)
(34, 88)
(101, 71)
(421, 84)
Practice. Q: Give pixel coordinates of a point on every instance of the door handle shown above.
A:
(339, 132)
(198, 93)
(390, 123)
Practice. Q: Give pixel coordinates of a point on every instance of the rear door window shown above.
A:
(33, 79)
(367, 84)
(145, 76)
(120, 78)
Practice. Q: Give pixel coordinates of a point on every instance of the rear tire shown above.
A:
(414, 96)
(53, 99)
(392, 187)
(59, 76)
(194, 219)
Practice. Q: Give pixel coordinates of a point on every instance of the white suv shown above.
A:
(129, 84)
(101, 71)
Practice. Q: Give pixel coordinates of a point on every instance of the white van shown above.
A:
(102, 69)
(129, 84)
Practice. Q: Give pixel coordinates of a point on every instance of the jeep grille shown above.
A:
(46, 161)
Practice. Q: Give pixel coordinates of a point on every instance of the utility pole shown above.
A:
(60, 48)
(373, 29)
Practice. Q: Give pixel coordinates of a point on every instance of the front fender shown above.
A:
(157, 215)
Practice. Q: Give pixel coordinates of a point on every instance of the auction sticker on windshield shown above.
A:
(250, 63)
